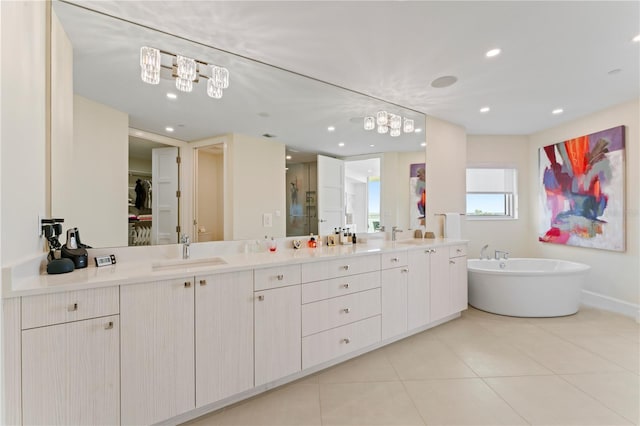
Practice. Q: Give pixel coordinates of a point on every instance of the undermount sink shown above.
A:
(187, 263)
(414, 242)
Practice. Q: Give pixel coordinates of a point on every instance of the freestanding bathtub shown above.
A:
(526, 287)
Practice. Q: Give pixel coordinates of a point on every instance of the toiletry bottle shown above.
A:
(272, 245)
(312, 241)
(353, 238)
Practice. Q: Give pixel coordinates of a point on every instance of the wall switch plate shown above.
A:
(267, 220)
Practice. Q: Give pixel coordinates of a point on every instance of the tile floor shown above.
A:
(480, 369)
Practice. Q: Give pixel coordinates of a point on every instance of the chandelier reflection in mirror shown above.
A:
(185, 70)
(389, 123)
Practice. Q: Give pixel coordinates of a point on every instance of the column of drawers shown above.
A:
(341, 306)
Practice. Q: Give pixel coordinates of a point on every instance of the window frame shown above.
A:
(511, 197)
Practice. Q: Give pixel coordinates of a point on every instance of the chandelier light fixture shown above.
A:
(185, 70)
(389, 123)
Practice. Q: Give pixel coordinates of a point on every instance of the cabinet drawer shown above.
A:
(56, 308)
(321, 290)
(333, 343)
(393, 260)
(278, 276)
(326, 314)
(318, 271)
(459, 250)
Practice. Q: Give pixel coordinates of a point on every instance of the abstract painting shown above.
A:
(418, 195)
(582, 191)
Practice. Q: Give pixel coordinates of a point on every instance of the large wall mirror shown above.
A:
(248, 162)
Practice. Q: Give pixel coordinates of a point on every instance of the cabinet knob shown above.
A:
(73, 307)
(261, 298)
(458, 250)
(109, 325)
(280, 277)
(187, 284)
(432, 251)
(345, 285)
(395, 259)
(346, 340)
(404, 270)
(346, 310)
(345, 267)
(203, 282)
(452, 262)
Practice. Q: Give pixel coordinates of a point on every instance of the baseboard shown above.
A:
(612, 304)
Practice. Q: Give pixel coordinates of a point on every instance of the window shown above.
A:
(492, 193)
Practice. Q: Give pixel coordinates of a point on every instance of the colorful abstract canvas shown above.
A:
(582, 191)
(418, 195)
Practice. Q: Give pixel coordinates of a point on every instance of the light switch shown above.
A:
(267, 220)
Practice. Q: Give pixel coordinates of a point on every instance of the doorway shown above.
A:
(209, 193)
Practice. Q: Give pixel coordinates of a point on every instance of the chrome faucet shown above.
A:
(394, 231)
(186, 242)
(501, 254)
(483, 252)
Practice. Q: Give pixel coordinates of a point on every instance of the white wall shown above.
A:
(210, 196)
(100, 167)
(613, 274)
(23, 142)
(510, 235)
(257, 168)
(446, 172)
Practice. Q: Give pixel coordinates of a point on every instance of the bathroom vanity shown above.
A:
(166, 340)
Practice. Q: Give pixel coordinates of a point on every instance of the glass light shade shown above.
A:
(220, 76)
(395, 121)
(187, 68)
(382, 118)
(408, 126)
(150, 76)
(383, 129)
(395, 132)
(150, 58)
(184, 85)
(369, 123)
(212, 90)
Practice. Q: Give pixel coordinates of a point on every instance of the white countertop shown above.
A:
(164, 268)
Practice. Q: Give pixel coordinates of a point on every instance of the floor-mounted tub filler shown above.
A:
(526, 287)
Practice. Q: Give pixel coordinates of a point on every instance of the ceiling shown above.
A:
(554, 54)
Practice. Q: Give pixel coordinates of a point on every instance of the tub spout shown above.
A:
(483, 252)
(501, 254)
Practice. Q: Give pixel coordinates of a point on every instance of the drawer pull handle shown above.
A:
(203, 282)
(458, 251)
(432, 251)
(346, 310)
(280, 277)
(261, 298)
(427, 251)
(73, 307)
(452, 262)
(187, 284)
(345, 285)
(345, 267)
(109, 325)
(347, 341)
(404, 270)
(395, 259)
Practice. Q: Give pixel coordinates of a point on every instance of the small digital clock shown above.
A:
(105, 260)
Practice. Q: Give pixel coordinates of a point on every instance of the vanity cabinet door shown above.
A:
(278, 335)
(440, 303)
(394, 301)
(224, 335)
(157, 350)
(71, 373)
(458, 276)
(418, 287)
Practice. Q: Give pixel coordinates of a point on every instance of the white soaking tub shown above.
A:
(526, 287)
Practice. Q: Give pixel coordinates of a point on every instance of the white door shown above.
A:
(164, 195)
(330, 194)
(418, 288)
(394, 301)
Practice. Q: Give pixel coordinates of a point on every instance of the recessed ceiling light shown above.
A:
(445, 81)
(636, 38)
(331, 129)
(169, 129)
(341, 144)
(493, 52)
(485, 110)
(372, 145)
(288, 157)
(423, 144)
(417, 131)
(172, 95)
(557, 111)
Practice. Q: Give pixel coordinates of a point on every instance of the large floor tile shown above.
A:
(369, 367)
(549, 400)
(425, 359)
(460, 402)
(618, 391)
(618, 350)
(293, 405)
(382, 403)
